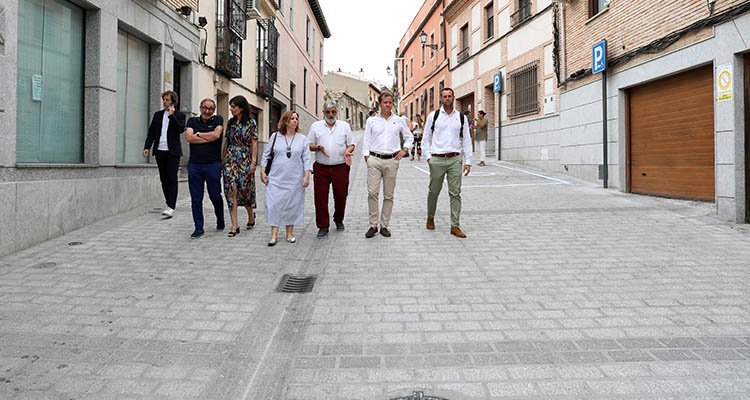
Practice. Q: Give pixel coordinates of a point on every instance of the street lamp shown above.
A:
(423, 40)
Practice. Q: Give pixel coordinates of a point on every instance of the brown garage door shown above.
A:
(672, 136)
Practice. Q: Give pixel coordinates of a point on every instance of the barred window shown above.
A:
(524, 90)
(523, 12)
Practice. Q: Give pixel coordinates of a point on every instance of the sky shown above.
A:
(365, 35)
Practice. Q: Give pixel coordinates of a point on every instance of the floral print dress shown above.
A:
(237, 161)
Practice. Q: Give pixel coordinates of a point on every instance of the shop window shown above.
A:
(133, 64)
(50, 82)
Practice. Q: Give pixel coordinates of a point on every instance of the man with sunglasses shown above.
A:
(204, 133)
(333, 143)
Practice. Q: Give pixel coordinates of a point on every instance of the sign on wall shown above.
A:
(599, 57)
(724, 82)
(497, 82)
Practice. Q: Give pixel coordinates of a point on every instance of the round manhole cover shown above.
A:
(75, 243)
(419, 396)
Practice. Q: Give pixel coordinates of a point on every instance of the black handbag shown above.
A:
(270, 156)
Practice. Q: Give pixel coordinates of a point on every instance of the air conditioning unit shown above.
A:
(251, 9)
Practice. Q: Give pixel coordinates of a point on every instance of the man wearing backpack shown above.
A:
(445, 142)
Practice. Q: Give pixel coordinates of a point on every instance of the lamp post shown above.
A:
(394, 86)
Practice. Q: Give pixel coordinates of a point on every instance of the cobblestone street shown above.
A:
(562, 290)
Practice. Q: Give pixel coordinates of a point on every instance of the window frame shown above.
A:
(489, 20)
(523, 96)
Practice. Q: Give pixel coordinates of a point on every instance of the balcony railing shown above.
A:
(268, 43)
(228, 53)
(522, 13)
(462, 55)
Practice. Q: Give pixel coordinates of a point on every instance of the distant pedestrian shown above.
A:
(383, 150)
(417, 128)
(288, 177)
(240, 156)
(446, 138)
(470, 121)
(480, 136)
(333, 143)
(163, 142)
(204, 133)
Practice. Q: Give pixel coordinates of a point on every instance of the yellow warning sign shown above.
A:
(724, 82)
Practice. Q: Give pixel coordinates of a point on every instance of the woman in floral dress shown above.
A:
(240, 156)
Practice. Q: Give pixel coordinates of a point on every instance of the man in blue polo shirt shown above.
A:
(204, 134)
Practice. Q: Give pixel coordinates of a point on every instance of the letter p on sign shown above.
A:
(599, 57)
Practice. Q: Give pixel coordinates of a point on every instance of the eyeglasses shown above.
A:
(208, 108)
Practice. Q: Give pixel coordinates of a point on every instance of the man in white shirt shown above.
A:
(333, 143)
(382, 149)
(444, 140)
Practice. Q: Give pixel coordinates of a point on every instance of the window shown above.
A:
(432, 41)
(307, 35)
(524, 88)
(432, 98)
(230, 31)
(441, 86)
(424, 102)
(291, 14)
(312, 45)
(523, 12)
(320, 59)
(489, 16)
(463, 51)
(442, 34)
(411, 109)
(267, 51)
(317, 99)
(50, 56)
(422, 63)
(304, 86)
(597, 6)
(281, 6)
(411, 63)
(133, 61)
(292, 96)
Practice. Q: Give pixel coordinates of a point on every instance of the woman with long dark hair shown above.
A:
(240, 157)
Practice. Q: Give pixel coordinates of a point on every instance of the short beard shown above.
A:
(330, 121)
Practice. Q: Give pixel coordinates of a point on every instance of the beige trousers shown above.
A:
(381, 170)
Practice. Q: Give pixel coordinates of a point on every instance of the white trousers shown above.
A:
(481, 148)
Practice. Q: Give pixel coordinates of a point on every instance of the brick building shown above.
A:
(677, 98)
(514, 38)
(422, 71)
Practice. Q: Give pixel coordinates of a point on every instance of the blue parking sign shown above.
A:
(599, 57)
(497, 82)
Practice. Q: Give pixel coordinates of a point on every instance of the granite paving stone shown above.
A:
(562, 290)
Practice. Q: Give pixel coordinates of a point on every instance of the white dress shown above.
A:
(285, 196)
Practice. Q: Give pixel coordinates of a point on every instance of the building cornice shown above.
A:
(318, 12)
(454, 8)
(421, 25)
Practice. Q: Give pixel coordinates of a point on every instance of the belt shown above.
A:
(383, 156)
(446, 155)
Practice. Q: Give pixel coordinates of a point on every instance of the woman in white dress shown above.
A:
(288, 177)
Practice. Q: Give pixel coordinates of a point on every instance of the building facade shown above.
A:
(422, 70)
(677, 98)
(356, 86)
(513, 38)
(79, 82)
(244, 54)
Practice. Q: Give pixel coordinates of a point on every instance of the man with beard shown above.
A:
(446, 141)
(333, 143)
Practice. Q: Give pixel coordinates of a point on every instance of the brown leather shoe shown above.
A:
(371, 232)
(430, 223)
(385, 232)
(456, 231)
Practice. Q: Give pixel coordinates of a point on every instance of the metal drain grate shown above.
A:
(419, 396)
(296, 284)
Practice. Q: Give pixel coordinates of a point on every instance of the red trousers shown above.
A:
(323, 177)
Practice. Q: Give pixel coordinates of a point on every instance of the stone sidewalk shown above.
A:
(562, 290)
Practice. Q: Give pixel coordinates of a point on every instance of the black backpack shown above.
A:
(434, 118)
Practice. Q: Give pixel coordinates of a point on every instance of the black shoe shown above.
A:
(322, 233)
(339, 226)
(196, 234)
(385, 232)
(371, 232)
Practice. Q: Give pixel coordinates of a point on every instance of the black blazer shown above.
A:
(175, 129)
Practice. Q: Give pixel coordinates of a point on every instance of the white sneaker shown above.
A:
(169, 212)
